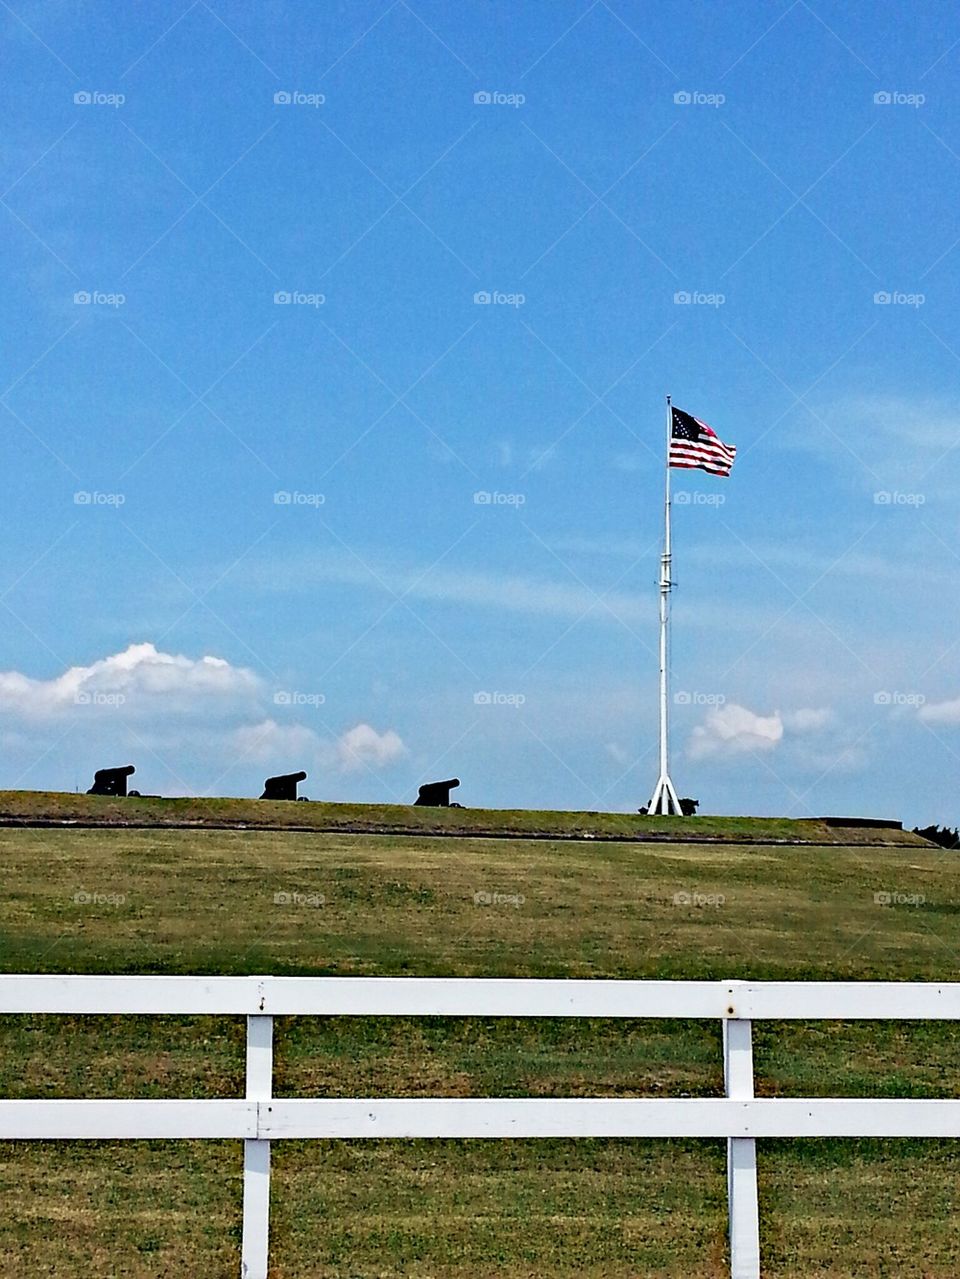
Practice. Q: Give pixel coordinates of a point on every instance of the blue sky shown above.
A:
(792, 169)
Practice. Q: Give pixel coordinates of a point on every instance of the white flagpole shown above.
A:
(664, 798)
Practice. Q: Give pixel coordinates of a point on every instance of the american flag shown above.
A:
(696, 446)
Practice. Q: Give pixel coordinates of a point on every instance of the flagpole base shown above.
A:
(664, 801)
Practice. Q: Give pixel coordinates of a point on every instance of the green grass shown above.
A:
(179, 901)
(27, 807)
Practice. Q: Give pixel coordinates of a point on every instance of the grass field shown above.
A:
(226, 901)
(63, 808)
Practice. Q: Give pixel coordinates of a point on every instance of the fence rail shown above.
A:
(259, 1118)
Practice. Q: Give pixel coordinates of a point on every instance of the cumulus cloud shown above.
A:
(808, 719)
(941, 712)
(178, 707)
(137, 679)
(732, 730)
(364, 747)
(729, 730)
(271, 743)
(282, 745)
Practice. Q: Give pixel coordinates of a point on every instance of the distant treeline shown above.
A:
(941, 835)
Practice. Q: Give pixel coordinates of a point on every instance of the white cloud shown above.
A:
(941, 712)
(918, 423)
(901, 440)
(831, 756)
(733, 730)
(178, 706)
(364, 747)
(809, 733)
(801, 565)
(270, 743)
(808, 719)
(293, 746)
(515, 593)
(451, 587)
(138, 678)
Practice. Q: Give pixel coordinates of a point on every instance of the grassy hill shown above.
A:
(46, 808)
(327, 902)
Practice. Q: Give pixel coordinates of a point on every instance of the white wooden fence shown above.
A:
(260, 1118)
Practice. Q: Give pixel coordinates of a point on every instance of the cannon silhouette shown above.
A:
(283, 787)
(111, 781)
(437, 794)
(688, 808)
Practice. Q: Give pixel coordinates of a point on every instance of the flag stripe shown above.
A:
(695, 459)
(694, 462)
(696, 446)
(701, 466)
(684, 446)
(711, 443)
(707, 463)
(725, 449)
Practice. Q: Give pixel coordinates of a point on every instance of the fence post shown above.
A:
(742, 1202)
(256, 1153)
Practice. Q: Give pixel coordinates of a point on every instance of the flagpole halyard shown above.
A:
(664, 799)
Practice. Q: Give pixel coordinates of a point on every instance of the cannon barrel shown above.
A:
(436, 794)
(111, 781)
(283, 786)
